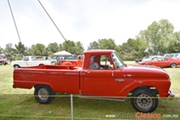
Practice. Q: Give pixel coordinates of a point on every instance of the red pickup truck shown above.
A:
(102, 76)
(77, 62)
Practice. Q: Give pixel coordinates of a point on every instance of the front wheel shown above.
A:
(144, 100)
(44, 94)
(173, 65)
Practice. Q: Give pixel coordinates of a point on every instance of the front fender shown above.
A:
(162, 86)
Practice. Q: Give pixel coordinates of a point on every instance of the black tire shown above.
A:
(144, 100)
(5, 63)
(44, 94)
(16, 66)
(173, 65)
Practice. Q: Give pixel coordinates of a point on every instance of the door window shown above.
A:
(100, 62)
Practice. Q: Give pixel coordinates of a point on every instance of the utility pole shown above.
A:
(14, 20)
(52, 20)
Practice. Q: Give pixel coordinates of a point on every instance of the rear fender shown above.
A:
(37, 85)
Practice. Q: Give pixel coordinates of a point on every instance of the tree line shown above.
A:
(158, 38)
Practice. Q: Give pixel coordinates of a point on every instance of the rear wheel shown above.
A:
(44, 94)
(144, 100)
(173, 65)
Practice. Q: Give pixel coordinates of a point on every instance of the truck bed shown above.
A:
(59, 67)
(60, 78)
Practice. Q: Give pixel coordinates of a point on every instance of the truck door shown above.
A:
(24, 62)
(99, 81)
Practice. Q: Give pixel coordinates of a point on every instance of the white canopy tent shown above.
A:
(62, 53)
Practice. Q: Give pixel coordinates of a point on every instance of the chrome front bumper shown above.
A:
(171, 94)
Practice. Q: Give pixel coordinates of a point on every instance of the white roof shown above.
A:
(62, 53)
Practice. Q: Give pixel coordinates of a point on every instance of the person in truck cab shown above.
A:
(100, 62)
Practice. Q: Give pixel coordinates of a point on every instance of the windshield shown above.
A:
(117, 61)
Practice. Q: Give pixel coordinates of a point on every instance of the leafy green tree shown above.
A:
(79, 49)
(158, 36)
(61, 47)
(132, 49)
(1, 50)
(38, 50)
(126, 51)
(176, 41)
(21, 49)
(9, 51)
(53, 47)
(72, 47)
(174, 46)
(119, 49)
(68, 46)
(102, 44)
(107, 44)
(140, 47)
(93, 45)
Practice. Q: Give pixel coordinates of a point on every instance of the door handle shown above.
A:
(119, 80)
(87, 71)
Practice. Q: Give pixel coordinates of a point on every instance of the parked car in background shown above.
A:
(153, 57)
(138, 60)
(173, 55)
(3, 61)
(163, 62)
(32, 61)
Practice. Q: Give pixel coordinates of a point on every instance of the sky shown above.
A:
(82, 20)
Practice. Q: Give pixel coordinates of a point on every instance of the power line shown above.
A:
(52, 20)
(14, 20)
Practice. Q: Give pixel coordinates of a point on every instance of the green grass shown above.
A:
(20, 103)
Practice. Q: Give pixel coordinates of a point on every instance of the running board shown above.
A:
(102, 98)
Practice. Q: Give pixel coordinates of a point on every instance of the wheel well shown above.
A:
(16, 65)
(153, 89)
(173, 63)
(67, 63)
(38, 85)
